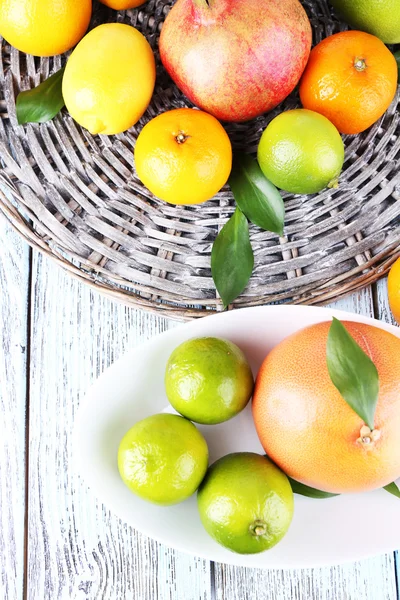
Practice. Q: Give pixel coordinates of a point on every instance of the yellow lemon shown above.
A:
(122, 4)
(109, 79)
(183, 156)
(44, 27)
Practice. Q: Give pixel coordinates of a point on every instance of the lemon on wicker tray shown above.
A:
(109, 79)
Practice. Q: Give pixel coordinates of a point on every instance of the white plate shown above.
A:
(323, 532)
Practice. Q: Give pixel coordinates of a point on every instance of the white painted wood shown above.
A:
(382, 303)
(361, 303)
(367, 580)
(373, 579)
(14, 278)
(77, 549)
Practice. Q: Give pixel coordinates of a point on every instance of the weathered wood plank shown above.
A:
(372, 579)
(77, 549)
(367, 580)
(382, 309)
(181, 577)
(14, 285)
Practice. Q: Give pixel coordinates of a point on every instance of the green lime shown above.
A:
(379, 17)
(245, 503)
(301, 152)
(208, 380)
(163, 459)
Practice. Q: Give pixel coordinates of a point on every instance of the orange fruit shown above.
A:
(350, 78)
(44, 27)
(394, 290)
(122, 4)
(183, 156)
(307, 428)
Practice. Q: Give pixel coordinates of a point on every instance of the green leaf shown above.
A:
(232, 258)
(397, 57)
(393, 488)
(43, 102)
(305, 490)
(255, 195)
(352, 372)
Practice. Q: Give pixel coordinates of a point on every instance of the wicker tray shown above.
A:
(77, 199)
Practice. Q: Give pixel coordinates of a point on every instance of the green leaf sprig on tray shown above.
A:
(352, 372)
(393, 488)
(255, 195)
(43, 102)
(232, 258)
(309, 492)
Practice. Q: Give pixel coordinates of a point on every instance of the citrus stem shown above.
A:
(360, 64)
(181, 137)
(334, 183)
(258, 528)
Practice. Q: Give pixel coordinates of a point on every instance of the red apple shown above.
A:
(236, 59)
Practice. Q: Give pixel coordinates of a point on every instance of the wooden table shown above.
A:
(57, 542)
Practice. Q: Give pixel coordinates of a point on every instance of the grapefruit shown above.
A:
(307, 428)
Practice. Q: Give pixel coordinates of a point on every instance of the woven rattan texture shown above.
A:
(77, 199)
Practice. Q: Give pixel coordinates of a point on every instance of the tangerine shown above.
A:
(183, 156)
(394, 290)
(308, 429)
(122, 4)
(351, 78)
(44, 27)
